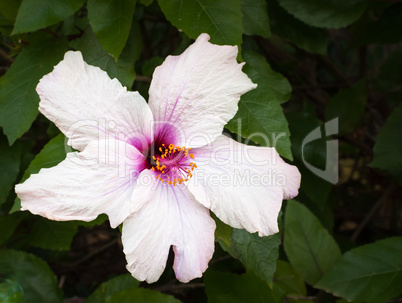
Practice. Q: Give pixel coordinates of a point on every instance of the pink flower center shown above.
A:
(174, 164)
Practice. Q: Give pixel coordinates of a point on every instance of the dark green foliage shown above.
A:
(308, 245)
(260, 117)
(31, 274)
(226, 287)
(222, 19)
(370, 273)
(19, 107)
(313, 61)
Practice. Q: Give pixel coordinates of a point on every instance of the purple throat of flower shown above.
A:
(171, 164)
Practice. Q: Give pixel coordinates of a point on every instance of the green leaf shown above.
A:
(275, 86)
(288, 279)
(94, 54)
(231, 288)
(328, 14)
(348, 105)
(54, 235)
(7, 225)
(106, 290)
(260, 116)
(18, 98)
(52, 154)
(33, 275)
(258, 254)
(4, 22)
(37, 14)
(221, 19)
(388, 146)
(371, 273)
(310, 248)
(146, 2)
(102, 218)
(11, 292)
(255, 18)
(223, 232)
(149, 65)
(140, 295)
(10, 166)
(111, 21)
(283, 24)
(9, 9)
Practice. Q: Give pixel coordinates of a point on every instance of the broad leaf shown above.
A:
(260, 116)
(370, 273)
(288, 279)
(140, 295)
(10, 166)
(5, 23)
(310, 248)
(52, 154)
(221, 19)
(11, 292)
(283, 24)
(149, 65)
(32, 274)
(258, 254)
(7, 225)
(348, 105)
(255, 18)
(106, 290)
(18, 98)
(54, 235)
(329, 14)
(388, 147)
(111, 21)
(94, 54)
(223, 232)
(233, 288)
(9, 9)
(37, 14)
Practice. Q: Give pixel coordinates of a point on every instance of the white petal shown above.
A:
(86, 104)
(243, 185)
(198, 91)
(171, 217)
(98, 180)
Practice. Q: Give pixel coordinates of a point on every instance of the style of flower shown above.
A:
(158, 168)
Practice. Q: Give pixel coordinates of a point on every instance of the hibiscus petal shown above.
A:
(243, 185)
(171, 217)
(86, 104)
(198, 91)
(98, 180)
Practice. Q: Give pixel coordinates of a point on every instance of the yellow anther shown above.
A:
(175, 169)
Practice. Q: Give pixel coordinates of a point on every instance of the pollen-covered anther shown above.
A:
(172, 165)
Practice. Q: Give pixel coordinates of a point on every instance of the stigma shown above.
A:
(174, 164)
